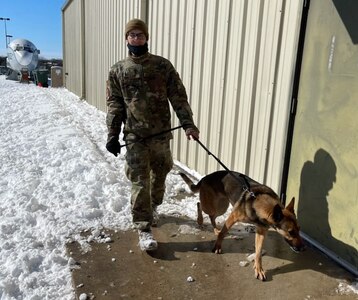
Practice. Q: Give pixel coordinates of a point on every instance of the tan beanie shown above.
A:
(136, 24)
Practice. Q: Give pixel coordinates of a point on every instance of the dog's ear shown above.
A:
(277, 214)
(291, 206)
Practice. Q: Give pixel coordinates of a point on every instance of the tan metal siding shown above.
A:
(228, 54)
(285, 62)
(104, 42)
(236, 59)
(72, 47)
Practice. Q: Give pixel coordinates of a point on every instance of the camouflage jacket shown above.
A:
(138, 90)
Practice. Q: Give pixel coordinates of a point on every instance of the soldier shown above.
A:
(139, 89)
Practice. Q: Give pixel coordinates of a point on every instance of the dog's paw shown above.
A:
(200, 220)
(217, 250)
(260, 274)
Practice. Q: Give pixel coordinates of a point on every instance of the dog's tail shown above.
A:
(193, 187)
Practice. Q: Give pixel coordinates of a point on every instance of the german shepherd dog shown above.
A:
(252, 203)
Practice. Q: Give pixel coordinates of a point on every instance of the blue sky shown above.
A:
(39, 21)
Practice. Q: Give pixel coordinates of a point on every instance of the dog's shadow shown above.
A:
(171, 240)
(172, 244)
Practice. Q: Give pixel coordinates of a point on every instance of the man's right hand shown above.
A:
(113, 146)
(192, 133)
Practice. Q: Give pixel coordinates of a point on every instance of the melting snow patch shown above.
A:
(187, 229)
(345, 288)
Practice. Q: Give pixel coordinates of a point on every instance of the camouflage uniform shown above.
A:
(138, 90)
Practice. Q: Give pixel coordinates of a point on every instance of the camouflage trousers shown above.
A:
(147, 166)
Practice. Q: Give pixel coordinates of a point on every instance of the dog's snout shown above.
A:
(298, 249)
(296, 245)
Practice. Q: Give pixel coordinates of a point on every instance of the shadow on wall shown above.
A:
(317, 179)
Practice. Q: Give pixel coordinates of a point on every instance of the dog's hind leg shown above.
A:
(213, 222)
(200, 218)
(259, 240)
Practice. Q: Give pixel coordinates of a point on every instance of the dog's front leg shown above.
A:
(231, 220)
(259, 240)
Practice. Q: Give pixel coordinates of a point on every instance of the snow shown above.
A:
(56, 180)
(346, 289)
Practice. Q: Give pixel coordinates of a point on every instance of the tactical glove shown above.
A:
(192, 133)
(113, 146)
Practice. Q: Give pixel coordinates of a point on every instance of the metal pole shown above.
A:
(5, 19)
(5, 35)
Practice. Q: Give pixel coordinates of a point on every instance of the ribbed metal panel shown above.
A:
(286, 59)
(72, 47)
(104, 43)
(236, 59)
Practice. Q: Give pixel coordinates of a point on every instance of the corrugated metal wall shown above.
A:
(93, 42)
(104, 42)
(72, 47)
(236, 59)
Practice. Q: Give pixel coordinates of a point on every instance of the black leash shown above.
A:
(246, 182)
(141, 139)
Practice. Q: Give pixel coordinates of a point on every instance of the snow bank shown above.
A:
(56, 180)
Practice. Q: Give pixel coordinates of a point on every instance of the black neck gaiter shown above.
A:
(138, 50)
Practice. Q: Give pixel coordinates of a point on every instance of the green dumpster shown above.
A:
(40, 77)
